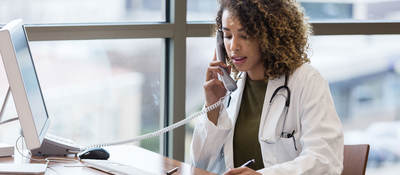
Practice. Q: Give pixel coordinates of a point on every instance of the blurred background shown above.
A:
(107, 90)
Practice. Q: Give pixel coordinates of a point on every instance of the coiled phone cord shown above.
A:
(166, 129)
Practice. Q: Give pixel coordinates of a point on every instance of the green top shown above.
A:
(245, 139)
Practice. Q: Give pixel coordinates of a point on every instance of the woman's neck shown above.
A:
(256, 74)
(255, 77)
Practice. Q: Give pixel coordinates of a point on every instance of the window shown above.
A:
(316, 10)
(9, 131)
(200, 52)
(77, 11)
(101, 90)
(364, 91)
(204, 10)
(352, 9)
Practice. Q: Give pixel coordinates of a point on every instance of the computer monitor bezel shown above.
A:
(33, 136)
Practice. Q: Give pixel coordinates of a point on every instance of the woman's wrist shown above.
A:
(213, 115)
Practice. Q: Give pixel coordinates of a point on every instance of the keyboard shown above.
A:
(114, 167)
(23, 168)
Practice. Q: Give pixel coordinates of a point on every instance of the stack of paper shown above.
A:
(6, 150)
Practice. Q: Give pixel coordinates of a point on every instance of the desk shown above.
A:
(126, 154)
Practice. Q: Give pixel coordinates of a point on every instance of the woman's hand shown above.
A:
(214, 89)
(242, 171)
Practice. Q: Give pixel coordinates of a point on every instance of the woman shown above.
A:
(266, 44)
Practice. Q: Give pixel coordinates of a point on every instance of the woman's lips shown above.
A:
(239, 60)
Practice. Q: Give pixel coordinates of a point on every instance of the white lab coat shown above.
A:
(312, 114)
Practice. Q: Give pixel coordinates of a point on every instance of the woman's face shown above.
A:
(241, 49)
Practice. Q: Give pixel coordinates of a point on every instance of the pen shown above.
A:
(248, 163)
(172, 171)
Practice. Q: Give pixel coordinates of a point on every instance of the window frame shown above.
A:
(175, 30)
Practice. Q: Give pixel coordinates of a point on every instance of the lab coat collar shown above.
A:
(272, 86)
(236, 98)
(233, 108)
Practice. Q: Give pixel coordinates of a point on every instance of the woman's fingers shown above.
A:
(215, 55)
(218, 63)
(214, 69)
(212, 72)
(214, 90)
(236, 171)
(242, 171)
(208, 85)
(216, 86)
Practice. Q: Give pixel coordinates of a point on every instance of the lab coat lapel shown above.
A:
(272, 86)
(234, 108)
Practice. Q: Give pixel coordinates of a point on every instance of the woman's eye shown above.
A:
(244, 36)
(227, 36)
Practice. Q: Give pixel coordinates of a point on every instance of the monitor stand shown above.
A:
(51, 145)
(55, 146)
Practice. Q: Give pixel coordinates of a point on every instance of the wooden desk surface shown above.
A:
(131, 155)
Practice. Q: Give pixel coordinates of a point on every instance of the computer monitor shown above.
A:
(24, 83)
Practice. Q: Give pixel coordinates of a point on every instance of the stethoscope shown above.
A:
(285, 87)
(283, 134)
(287, 103)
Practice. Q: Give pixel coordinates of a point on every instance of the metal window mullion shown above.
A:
(164, 105)
(356, 28)
(319, 28)
(166, 30)
(177, 78)
(89, 32)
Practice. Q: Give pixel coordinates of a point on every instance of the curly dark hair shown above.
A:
(280, 28)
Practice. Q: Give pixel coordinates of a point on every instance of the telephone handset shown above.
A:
(229, 83)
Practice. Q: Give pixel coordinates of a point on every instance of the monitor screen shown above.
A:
(24, 83)
(29, 77)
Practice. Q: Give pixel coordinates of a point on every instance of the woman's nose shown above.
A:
(235, 44)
